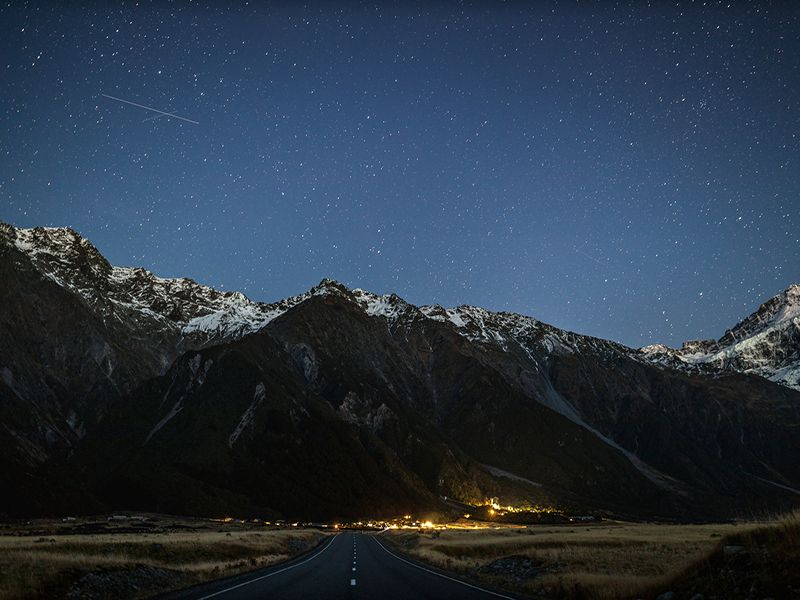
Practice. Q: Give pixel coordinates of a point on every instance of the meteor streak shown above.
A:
(595, 259)
(161, 112)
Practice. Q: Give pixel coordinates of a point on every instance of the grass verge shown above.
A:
(613, 561)
(137, 565)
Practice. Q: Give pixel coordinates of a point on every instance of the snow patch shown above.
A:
(258, 397)
(774, 483)
(230, 322)
(508, 475)
(176, 408)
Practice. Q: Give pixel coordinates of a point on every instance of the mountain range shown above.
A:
(121, 389)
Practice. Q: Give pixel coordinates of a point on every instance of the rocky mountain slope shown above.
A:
(139, 322)
(767, 343)
(122, 389)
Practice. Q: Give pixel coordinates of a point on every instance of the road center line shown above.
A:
(352, 582)
(244, 583)
(474, 587)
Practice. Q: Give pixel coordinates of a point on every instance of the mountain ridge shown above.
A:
(231, 314)
(765, 343)
(110, 369)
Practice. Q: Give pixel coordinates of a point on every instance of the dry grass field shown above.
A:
(130, 565)
(132, 560)
(622, 560)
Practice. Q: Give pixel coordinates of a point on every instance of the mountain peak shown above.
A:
(781, 307)
(329, 285)
(51, 247)
(765, 343)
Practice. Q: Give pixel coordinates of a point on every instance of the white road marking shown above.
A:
(474, 587)
(352, 582)
(244, 583)
(354, 568)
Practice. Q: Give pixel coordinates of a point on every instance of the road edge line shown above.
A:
(249, 581)
(442, 575)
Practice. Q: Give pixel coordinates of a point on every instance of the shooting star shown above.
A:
(155, 110)
(589, 256)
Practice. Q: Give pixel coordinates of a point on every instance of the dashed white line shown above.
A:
(352, 582)
(244, 583)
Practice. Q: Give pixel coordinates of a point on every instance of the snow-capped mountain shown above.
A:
(180, 307)
(130, 382)
(186, 315)
(766, 343)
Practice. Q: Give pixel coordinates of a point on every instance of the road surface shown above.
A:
(347, 566)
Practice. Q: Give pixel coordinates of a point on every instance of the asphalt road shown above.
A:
(348, 565)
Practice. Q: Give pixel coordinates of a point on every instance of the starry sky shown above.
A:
(618, 169)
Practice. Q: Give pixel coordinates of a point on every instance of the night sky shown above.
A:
(619, 170)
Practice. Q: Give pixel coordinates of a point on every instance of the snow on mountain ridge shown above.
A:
(766, 343)
(390, 306)
(199, 310)
(781, 307)
(182, 305)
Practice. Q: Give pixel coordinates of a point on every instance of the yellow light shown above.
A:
(491, 512)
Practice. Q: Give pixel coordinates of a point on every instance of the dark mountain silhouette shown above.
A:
(122, 389)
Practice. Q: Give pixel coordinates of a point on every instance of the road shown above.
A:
(347, 566)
